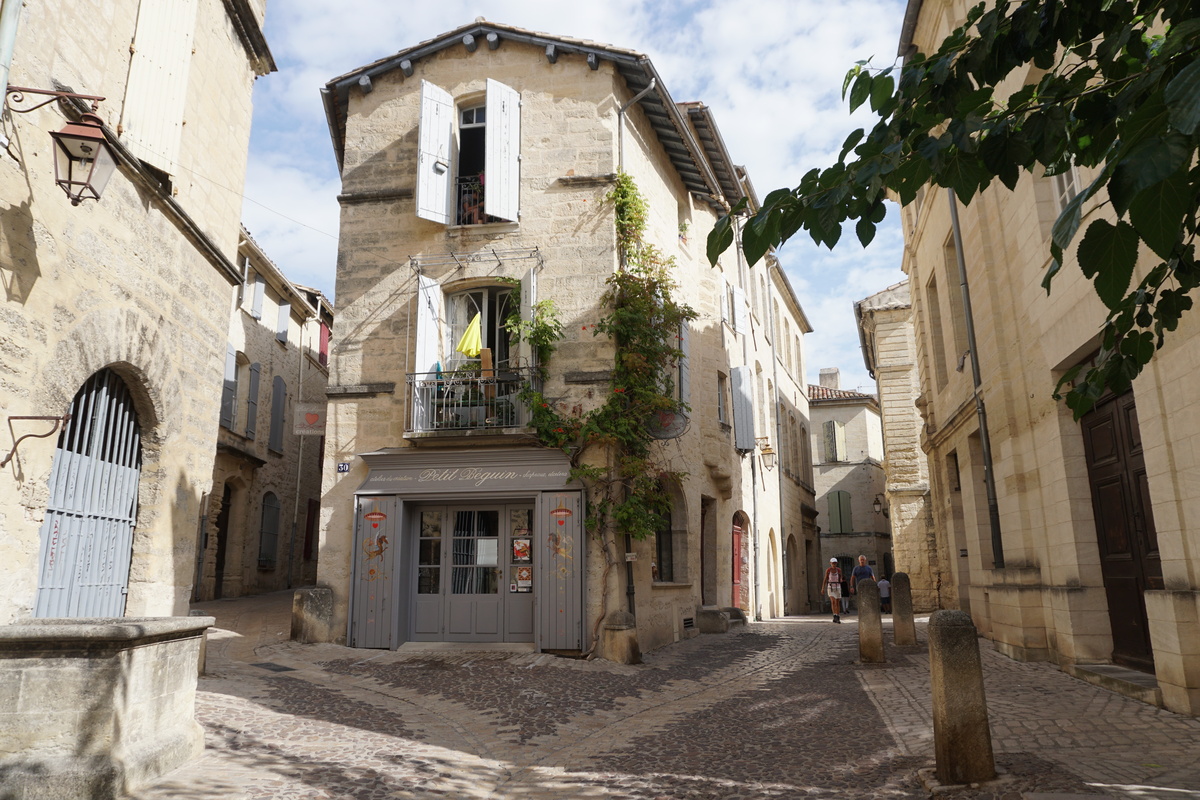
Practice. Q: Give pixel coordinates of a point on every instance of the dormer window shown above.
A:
(469, 161)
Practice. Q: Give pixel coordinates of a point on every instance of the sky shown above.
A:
(770, 70)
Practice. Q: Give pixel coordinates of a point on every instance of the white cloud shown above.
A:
(771, 70)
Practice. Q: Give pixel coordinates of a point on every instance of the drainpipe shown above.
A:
(754, 534)
(10, 14)
(985, 442)
(770, 315)
(201, 547)
(621, 122)
(300, 452)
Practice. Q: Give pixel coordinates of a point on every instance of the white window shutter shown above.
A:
(281, 324)
(502, 175)
(431, 313)
(685, 377)
(435, 175)
(743, 409)
(525, 354)
(741, 319)
(725, 301)
(260, 291)
(156, 93)
(839, 429)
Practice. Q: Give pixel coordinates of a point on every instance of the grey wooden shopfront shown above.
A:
(468, 546)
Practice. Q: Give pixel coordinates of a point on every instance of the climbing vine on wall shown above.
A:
(643, 320)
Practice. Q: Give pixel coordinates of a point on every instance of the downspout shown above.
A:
(300, 452)
(10, 14)
(629, 587)
(985, 442)
(753, 455)
(621, 122)
(201, 547)
(778, 419)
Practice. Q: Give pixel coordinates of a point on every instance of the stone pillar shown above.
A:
(903, 628)
(962, 740)
(870, 623)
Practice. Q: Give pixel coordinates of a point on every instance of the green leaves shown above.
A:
(1157, 213)
(1183, 98)
(1107, 255)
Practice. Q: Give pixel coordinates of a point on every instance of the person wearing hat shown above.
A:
(831, 584)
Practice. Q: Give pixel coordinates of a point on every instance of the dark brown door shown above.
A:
(1129, 556)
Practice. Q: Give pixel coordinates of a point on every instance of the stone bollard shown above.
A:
(312, 614)
(904, 630)
(870, 623)
(962, 741)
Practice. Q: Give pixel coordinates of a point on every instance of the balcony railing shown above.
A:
(469, 201)
(468, 400)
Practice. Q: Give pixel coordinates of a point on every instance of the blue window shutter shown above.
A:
(743, 409)
(229, 388)
(278, 405)
(252, 401)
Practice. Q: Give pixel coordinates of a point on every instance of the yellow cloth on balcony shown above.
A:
(472, 341)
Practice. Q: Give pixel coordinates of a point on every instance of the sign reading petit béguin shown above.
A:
(401, 473)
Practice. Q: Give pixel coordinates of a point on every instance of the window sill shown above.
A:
(671, 585)
(483, 228)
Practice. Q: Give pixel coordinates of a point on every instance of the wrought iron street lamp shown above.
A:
(83, 160)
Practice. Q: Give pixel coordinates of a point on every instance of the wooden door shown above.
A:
(1125, 532)
(475, 606)
(736, 591)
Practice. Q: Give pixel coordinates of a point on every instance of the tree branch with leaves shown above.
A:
(1112, 85)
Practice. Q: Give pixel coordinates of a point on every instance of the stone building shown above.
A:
(1094, 554)
(885, 329)
(261, 516)
(847, 452)
(475, 168)
(114, 313)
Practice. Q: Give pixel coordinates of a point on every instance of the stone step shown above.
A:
(1122, 680)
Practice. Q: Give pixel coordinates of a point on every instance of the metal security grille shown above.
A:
(88, 530)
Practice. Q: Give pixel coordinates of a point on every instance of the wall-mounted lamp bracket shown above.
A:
(63, 420)
(16, 94)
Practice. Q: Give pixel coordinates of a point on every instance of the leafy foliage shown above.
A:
(1112, 85)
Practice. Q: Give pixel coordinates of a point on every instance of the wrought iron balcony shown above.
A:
(468, 400)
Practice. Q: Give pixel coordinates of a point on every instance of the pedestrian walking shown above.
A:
(862, 572)
(831, 585)
(885, 595)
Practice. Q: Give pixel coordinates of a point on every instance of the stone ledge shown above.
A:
(360, 390)
(1127, 682)
(72, 634)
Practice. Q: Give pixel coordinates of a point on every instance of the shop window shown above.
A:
(468, 164)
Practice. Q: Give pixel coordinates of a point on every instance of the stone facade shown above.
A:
(1047, 589)
(138, 283)
(561, 246)
(885, 327)
(847, 452)
(267, 474)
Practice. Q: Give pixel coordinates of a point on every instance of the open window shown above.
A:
(469, 158)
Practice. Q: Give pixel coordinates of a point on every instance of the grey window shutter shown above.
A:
(278, 405)
(268, 535)
(252, 401)
(743, 409)
(835, 513)
(685, 378)
(229, 388)
(281, 325)
(260, 289)
(847, 518)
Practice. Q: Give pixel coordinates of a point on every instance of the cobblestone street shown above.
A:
(775, 710)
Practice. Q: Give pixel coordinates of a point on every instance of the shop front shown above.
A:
(468, 546)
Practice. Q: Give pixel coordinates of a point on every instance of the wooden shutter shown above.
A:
(743, 409)
(847, 517)
(502, 149)
(685, 378)
(281, 324)
(835, 513)
(324, 346)
(839, 440)
(152, 115)
(725, 301)
(260, 290)
(229, 389)
(741, 320)
(526, 356)
(252, 401)
(278, 406)
(268, 535)
(431, 313)
(436, 135)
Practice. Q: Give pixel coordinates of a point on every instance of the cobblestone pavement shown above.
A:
(773, 710)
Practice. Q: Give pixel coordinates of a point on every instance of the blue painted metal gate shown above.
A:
(87, 534)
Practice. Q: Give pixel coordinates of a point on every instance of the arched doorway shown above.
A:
(87, 533)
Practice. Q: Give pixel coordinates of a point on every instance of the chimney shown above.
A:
(831, 378)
